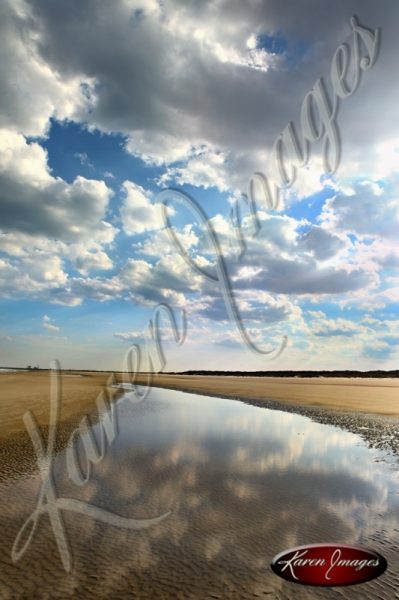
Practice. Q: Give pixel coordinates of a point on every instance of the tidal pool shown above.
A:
(239, 483)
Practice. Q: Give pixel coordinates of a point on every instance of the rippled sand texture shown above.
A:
(242, 484)
(22, 391)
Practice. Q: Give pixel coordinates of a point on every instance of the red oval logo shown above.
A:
(329, 564)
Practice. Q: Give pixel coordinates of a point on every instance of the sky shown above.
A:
(130, 132)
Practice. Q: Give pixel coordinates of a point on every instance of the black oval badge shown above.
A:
(329, 564)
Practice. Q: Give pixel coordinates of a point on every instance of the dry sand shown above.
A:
(31, 391)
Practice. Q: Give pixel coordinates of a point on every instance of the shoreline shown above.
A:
(325, 401)
(379, 431)
(31, 391)
(359, 396)
(379, 428)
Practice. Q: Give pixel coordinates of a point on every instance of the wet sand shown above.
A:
(221, 534)
(235, 502)
(365, 407)
(372, 396)
(25, 391)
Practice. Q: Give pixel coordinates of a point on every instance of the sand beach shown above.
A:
(22, 391)
(220, 467)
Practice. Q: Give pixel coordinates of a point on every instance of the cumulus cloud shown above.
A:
(47, 223)
(285, 258)
(205, 168)
(199, 91)
(170, 278)
(179, 77)
(34, 202)
(321, 243)
(92, 260)
(279, 263)
(158, 243)
(30, 277)
(337, 327)
(35, 91)
(367, 210)
(138, 213)
(260, 307)
(158, 148)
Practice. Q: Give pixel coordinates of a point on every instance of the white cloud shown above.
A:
(45, 222)
(89, 260)
(368, 210)
(47, 324)
(138, 213)
(32, 276)
(179, 77)
(159, 243)
(31, 90)
(195, 89)
(335, 327)
(158, 148)
(206, 168)
(34, 202)
(130, 336)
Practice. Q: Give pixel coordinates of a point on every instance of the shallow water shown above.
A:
(240, 484)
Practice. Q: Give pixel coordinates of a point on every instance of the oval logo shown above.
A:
(329, 564)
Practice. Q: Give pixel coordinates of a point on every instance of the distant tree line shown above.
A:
(348, 373)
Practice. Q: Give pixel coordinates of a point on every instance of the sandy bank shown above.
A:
(374, 396)
(31, 391)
